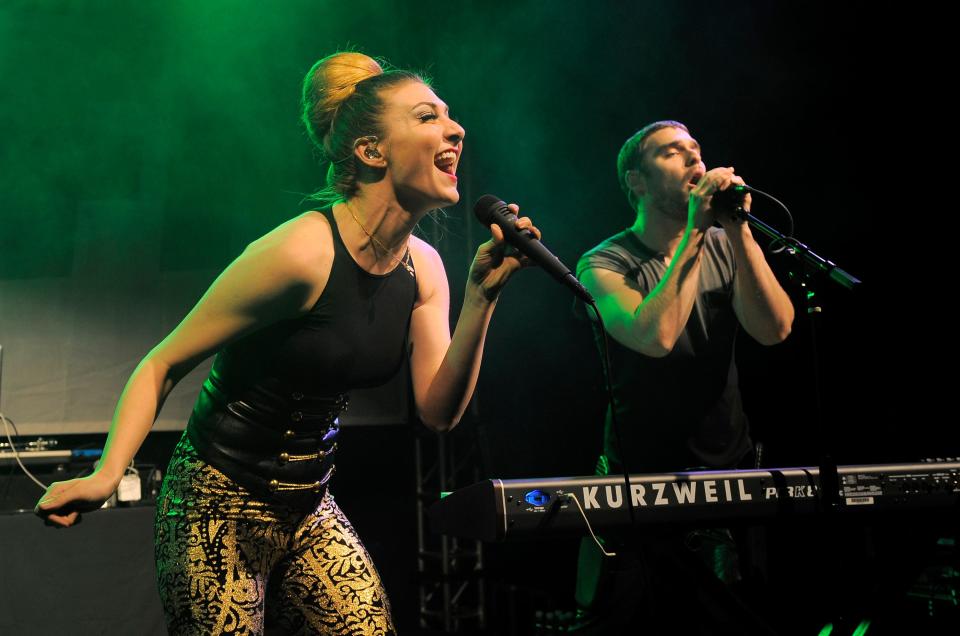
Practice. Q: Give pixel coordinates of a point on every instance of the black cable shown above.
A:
(615, 423)
(8, 478)
(789, 234)
(16, 454)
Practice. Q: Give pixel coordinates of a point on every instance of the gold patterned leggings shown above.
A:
(229, 563)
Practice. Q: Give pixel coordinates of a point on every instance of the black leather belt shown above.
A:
(282, 449)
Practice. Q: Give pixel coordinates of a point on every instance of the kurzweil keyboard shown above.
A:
(501, 508)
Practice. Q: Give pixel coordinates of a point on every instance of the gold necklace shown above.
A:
(407, 265)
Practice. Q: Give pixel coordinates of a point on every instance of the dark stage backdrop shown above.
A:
(145, 144)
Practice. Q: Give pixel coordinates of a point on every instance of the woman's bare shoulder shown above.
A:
(303, 243)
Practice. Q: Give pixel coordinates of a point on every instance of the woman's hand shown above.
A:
(63, 502)
(496, 260)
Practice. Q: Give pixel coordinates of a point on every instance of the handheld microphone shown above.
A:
(491, 210)
(731, 200)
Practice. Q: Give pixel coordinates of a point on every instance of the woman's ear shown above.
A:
(365, 149)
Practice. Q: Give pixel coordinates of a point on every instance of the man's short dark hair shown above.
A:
(631, 154)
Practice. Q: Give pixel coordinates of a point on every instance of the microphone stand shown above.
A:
(813, 265)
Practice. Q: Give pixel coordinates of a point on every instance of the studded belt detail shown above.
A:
(282, 450)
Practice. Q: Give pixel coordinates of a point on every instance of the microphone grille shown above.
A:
(485, 207)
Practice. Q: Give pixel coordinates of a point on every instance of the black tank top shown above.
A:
(354, 337)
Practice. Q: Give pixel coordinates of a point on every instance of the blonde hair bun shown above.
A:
(329, 83)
